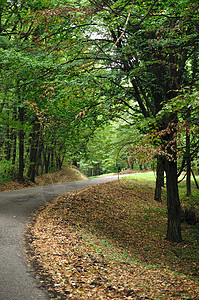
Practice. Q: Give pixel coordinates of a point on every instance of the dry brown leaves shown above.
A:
(103, 243)
(65, 175)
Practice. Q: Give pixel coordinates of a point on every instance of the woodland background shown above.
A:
(102, 85)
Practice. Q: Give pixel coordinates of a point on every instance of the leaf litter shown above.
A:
(108, 242)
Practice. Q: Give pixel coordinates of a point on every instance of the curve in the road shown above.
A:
(16, 208)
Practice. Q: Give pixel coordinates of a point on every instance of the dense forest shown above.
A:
(103, 85)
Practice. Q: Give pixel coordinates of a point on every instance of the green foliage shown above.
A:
(107, 150)
(73, 68)
(8, 171)
(187, 99)
(149, 177)
(4, 42)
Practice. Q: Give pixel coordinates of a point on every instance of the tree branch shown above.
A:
(126, 23)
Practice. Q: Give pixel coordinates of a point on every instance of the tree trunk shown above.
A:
(33, 152)
(14, 138)
(52, 162)
(39, 162)
(194, 177)
(159, 179)
(46, 157)
(62, 159)
(58, 161)
(99, 171)
(21, 146)
(170, 166)
(173, 203)
(8, 143)
(14, 146)
(188, 159)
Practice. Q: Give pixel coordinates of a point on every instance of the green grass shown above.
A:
(149, 177)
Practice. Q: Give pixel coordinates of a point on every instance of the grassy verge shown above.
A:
(185, 254)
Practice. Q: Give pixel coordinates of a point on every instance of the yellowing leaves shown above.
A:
(59, 19)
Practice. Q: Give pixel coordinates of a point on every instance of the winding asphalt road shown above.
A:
(16, 208)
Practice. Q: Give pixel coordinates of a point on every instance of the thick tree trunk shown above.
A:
(173, 203)
(170, 166)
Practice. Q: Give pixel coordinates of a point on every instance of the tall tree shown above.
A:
(146, 47)
(102, 60)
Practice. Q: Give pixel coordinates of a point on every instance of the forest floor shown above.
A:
(108, 242)
(65, 175)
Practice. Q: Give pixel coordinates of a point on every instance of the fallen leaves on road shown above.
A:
(107, 242)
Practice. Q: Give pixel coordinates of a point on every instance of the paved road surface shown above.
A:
(16, 207)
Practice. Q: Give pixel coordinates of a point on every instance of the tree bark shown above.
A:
(21, 146)
(14, 146)
(58, 161)
(173, 203)
(188, 158)
(33, 152)
(170, 166)
(39, 162)
(159, 179)
(14, 138)
(46, 158)
(8, 144)
(194, 177)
